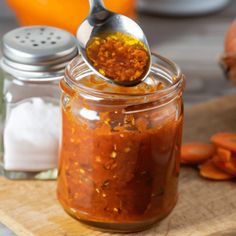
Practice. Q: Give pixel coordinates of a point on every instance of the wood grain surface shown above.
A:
(205, 208)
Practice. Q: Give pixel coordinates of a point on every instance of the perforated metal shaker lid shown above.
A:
(37, 53)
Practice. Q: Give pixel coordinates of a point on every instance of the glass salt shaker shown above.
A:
(33, 63)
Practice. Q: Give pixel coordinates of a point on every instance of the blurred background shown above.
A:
(190, 32)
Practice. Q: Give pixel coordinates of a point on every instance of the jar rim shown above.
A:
(175, 86)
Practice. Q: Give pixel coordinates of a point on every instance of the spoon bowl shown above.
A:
(102, 21)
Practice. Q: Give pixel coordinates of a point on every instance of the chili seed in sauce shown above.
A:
(117, 210)
(113, 154)
(82, 171)
(113, 166)
(98, 159)
(127, 149)
(105, 184)
(109, 164)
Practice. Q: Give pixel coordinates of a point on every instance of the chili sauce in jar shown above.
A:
(120, 147)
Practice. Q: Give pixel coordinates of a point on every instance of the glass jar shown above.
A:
(120, 147)
(33, 63)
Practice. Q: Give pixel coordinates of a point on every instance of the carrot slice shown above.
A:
(196, 153)
(226, 166)
(223, 154)
(210, 171)
(225, 140)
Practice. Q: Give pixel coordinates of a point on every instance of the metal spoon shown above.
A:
(102, 21)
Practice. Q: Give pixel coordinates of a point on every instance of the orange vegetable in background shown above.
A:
(224, 154)
(225, 140)
(66, 14)
(217, 159)
(210, 171)
(230, 39)
(196, 153)
(226, 166)
(228, 59)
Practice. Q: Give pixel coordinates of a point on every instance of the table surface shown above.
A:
(195, 43)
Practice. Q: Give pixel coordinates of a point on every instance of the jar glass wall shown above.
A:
(120, 147)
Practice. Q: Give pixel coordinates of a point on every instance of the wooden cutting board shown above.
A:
(205, 208)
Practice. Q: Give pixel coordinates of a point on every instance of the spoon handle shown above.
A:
(96, 6)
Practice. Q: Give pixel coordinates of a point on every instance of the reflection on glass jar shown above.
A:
(120, 147)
